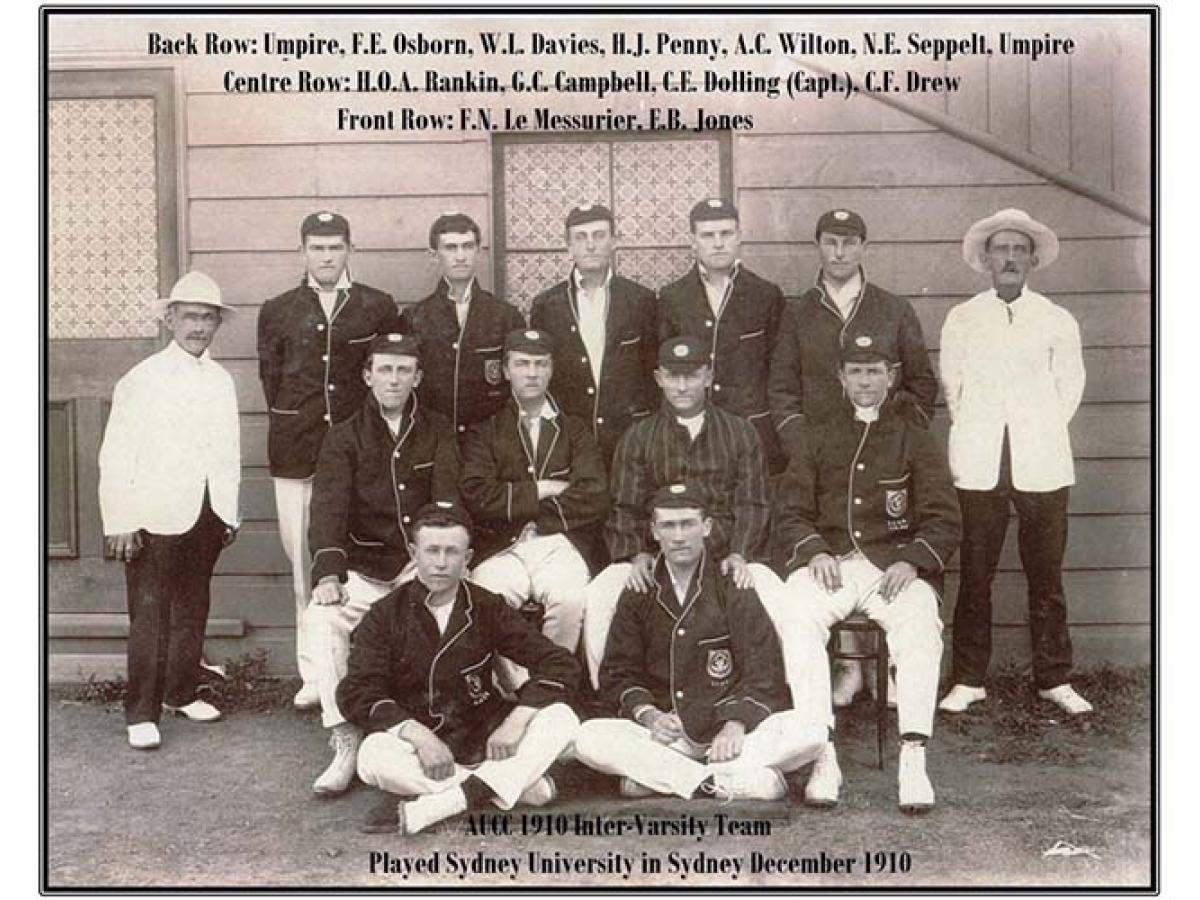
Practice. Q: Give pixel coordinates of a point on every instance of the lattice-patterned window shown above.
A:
(650, 184)
(112, 230)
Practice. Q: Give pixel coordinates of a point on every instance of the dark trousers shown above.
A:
(1041, 540)
(167, 587)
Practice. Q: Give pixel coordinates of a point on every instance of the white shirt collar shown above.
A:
(180, 356)
(578, 278)
(547, 411)
(733, 270)
(343, 283)
(466, 297)
(866, 413)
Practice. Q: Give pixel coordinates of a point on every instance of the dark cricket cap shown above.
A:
(712, 209)
(529, 340)
(841, 221)
(678, 496)
(324, 222)
(396, 345)
(588, 212)
(867, 348)
(683, 352)
(441, 511)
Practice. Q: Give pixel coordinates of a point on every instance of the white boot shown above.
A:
(916, 790)
(344, 740)
(826, 779)
(960, 697)
(764, 783)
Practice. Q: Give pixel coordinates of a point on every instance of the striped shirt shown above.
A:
(725, 463)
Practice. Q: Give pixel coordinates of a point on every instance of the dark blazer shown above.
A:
(401, 669)
(369, 485)
(713, 658)
(804, 384)
(464, 378)
(499, 483)
(743, 340)
(626, 390)
(881, 488)
(311, 368)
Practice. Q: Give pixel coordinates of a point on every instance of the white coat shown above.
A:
(1019, 366)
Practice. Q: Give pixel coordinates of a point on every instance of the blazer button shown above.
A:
(454, 346)
(332, 386)
(529, 470)
(599, 420)
(325, 417)
(462, 428)
(681, 632)
(679, 693)
(858, 501)
(708, 323)
(858, 534)
(583, 359)
(400, 486)
(572, 329)
(324, 357)
(860, 466)
(717, 388)
(396, 454)
(407, 519)
(320, 328)
(591, 390)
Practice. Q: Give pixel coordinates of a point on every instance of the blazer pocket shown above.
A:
(629, 343)
(285, 412)
(363, 543)
(894, 482)
(752, 334)
(424, 465)
(361, 340)
(495, 349)
(477, 665)
(561, 473)
(724, 638)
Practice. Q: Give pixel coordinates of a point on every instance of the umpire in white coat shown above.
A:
(1012, 367)
(170, 469)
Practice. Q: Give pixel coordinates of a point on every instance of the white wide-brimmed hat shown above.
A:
(1045, 241)
(194, 287)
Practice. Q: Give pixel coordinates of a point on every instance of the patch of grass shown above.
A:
(246, 686)
(1015, 725)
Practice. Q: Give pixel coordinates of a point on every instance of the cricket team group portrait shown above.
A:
(678, 488)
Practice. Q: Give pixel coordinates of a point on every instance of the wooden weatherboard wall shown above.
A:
(252, 166)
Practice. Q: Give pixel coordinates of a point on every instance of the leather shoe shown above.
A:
(1067, 698)
(960, 697)
(144, 736)
(196, 711)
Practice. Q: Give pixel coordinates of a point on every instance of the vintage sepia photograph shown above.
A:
(516, 449)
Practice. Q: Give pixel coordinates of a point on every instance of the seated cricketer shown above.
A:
(533, 482)
(687, 440)
(420, 682)
(865, 521)
(695, 669)
(374, 472)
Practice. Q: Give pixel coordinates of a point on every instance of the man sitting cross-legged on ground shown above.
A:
(866, 521)
(695, 668)
(420, 681)
(687, 440)
(375, 471)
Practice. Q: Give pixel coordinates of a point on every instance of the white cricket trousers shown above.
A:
(911, 623)
(600, 605)
(390, 762)
(327, 634)
(292, 497)
(784, 740)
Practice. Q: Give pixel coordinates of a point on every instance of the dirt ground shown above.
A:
(228, 805)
